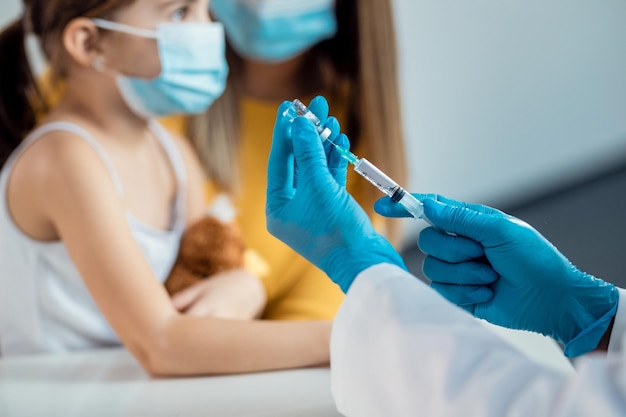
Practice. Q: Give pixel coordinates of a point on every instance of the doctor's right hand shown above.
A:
(308, 206)
(502, 270)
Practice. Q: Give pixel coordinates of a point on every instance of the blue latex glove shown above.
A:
(502, 270)
(315, 215)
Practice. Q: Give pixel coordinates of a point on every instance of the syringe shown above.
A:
(361, 165)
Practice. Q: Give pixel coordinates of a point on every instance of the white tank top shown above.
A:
(44, 303)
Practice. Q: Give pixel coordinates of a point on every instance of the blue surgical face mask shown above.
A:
(275, 30)
(193, 69)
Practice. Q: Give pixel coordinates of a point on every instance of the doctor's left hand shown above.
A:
(501, 269)
(308, 206)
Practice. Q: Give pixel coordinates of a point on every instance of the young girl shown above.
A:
(285, 49)
(94, 200)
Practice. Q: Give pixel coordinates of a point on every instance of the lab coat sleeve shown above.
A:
(399, 349)
(617, 342)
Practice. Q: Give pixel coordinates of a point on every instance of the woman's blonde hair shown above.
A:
(360, 66)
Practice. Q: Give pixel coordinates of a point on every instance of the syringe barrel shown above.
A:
(374, 175)
(388, 186)
(412, 205)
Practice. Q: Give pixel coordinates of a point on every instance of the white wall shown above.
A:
(506, 98)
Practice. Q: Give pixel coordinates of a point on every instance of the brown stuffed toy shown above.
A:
(207, 247)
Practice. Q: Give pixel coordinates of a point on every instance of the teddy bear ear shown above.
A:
(222, 208)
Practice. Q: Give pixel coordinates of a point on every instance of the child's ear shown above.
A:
(81, 40)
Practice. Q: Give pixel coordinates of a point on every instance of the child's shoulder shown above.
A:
(58, 175)
(57, 155)
(51, 147)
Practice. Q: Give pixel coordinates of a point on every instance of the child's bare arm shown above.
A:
(75, 193)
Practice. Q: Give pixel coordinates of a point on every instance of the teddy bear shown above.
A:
(209, 246)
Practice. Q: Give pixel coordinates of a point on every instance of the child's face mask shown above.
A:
(193, 69)
(275, 30)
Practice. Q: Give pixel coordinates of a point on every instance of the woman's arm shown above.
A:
(74, 190)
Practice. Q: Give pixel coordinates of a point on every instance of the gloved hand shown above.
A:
(502, 270)
(308, 206)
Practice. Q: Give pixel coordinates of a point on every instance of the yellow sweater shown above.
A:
(296, 289)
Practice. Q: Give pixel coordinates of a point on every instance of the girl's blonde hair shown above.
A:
(360, 66)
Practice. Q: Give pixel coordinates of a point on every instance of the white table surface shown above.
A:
(111, 383)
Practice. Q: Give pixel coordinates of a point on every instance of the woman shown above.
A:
(280, 50)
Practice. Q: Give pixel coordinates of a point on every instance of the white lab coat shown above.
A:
(399, 349)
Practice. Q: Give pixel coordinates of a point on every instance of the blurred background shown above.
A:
(519, 105)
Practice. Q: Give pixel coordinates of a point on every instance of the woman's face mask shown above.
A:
(193, 69)
(275, 30)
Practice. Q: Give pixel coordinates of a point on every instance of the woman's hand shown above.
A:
(234, 294)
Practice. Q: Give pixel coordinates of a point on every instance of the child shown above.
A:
(94, 200)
